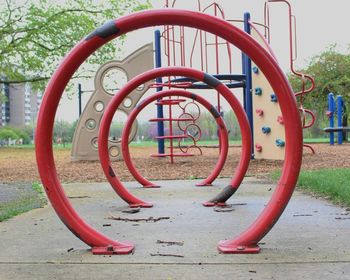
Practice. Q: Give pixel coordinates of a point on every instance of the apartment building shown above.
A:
(20, 105)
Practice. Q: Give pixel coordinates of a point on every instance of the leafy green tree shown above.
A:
(232, 125)
(29, 130)
(71, 130)
(6, 134)
(64, 131)
(331, 71)
(36, 34)
(22, 134)
(208, 126)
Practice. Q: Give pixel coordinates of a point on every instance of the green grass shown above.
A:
(316, 140)
(144, 144)
(202, 142)
(39, 189)
(24, 203)
(66, 146)
(150, 143)
(334, 184)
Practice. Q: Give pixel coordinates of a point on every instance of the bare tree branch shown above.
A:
(39, 79)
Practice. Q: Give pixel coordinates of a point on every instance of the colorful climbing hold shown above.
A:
(258, 91)
(255, 70)
(258, 148)
(280, 120)
(266, 129)
(280, 143)
(259, 112)
(273, 97)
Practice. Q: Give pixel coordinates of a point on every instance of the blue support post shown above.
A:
(158, 61)
(248, 89)
(244, 71)
(331, 110)
(340, 106)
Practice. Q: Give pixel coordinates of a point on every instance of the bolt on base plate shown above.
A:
(141, 205)
(212, 204)
(203, 185)
(151, 186)
(226, 247)
(122, 249)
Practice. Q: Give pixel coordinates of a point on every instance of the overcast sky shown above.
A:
(319, 24)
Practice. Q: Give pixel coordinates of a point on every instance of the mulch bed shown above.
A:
(19, 165)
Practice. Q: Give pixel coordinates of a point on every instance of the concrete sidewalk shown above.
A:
(310, 241)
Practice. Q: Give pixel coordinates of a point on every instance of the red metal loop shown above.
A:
(311, 79)
(196, 117)
(126, 131)
(246, 241)
(183, 119)
(196, 137)
(310, 148)
(310, 113)
(163, 72)
(188, 148)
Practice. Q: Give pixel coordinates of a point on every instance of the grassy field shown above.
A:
(316, 140)
(23, 202)
(333, 184)
(150, 143)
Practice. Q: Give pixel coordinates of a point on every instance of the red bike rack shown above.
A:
(247, 241)
(136, 111)
(104, 128)
(163, 72)
(133, 115)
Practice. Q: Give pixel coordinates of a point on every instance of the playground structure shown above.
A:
(339, 109)
(259, 100)
(269, 82)
(84, 146)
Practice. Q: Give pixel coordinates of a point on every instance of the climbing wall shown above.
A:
(269, 132)
(85, 136)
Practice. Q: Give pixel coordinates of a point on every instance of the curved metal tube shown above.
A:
(247, 241)
(164, 72)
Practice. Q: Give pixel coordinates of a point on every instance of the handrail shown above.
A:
(216, 6)
(293, 56)
(295, 72)
(174, 1)
(254, 22)
(266, 43)
(267, 21)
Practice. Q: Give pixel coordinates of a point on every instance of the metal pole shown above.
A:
(158, 60)
(248, 89)
(345, 122)
(244, 71)
(340, 117)
(331, 116)
(79, 97)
